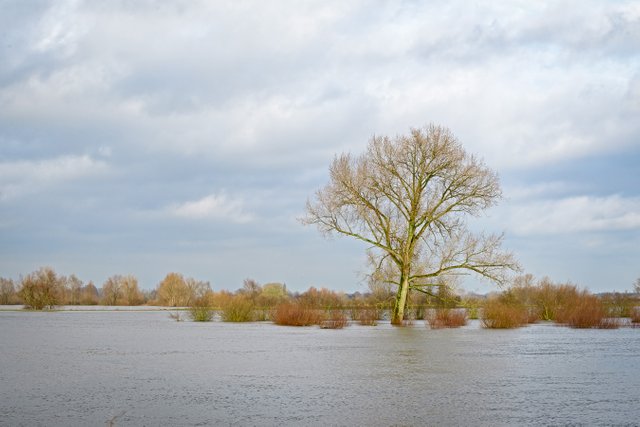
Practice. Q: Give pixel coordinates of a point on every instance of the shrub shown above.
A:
(261, 314)
(200, 311)
(238, 309)
(543, 299)
(585, 311)
(296, 314)
(446, 318)
(500, 314)
(334, 319)
(41, 289)
(635, 315)
(366, 316)
(321, 298)
(7, 291)
(473, 307)
(609, 323)
(618, 304)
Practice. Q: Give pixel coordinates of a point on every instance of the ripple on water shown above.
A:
(85, 368)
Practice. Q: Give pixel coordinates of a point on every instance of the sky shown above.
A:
(151, 137)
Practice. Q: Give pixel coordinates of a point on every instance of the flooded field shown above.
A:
(84, 368)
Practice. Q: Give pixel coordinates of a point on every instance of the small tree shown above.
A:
(636, 286)
(407, 198)
(251, 289)
(89, 294)
(173, 291)
(7, 291)
(74, 290)
(41, 289)
(197, 290)
(112, 290)
(272, 294)
(130, 292)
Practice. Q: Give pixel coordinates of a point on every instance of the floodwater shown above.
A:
(85, 368)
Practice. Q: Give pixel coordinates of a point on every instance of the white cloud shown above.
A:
(257, 101)
(520, 84)
(25, 177)
(574, 215)
(214, 206)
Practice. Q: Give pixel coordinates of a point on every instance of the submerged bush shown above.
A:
(446, 318)
(542, 299)
(618, 304)
(334, 319)
(200, 311)
(585, 311)
(321, 298)
(366, 316)
(473, 307)
(238, 309)
(501, 314)
(296, 314)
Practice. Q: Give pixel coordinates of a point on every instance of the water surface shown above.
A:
(83, 368)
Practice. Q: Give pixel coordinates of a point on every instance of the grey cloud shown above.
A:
(184, 101)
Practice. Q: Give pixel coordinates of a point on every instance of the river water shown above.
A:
(84, 368)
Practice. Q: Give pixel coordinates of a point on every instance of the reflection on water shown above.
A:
(67, 368)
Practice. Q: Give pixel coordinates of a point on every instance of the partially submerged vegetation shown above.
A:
(524, 302)
(530, 302)
(446, 318)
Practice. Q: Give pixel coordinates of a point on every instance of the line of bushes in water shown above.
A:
(528, 302)
(525, 301)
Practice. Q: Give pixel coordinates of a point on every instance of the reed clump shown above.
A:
(446, 318)
(296, 314)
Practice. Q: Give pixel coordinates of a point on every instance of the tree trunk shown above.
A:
(401, 301)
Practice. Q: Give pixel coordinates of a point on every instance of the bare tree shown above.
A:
(112, 290)
(197, 290)
(7, 291)
(41, 289)
(251, 289)
(173, 291)
(74, 290)
(89, 294)
(130, 291)
(407, 198)
(636, 286)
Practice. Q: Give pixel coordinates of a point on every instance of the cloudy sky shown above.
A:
(152, 136)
